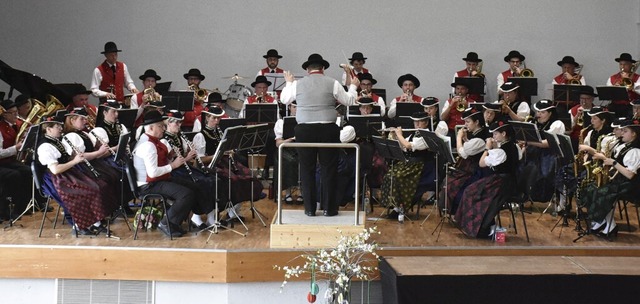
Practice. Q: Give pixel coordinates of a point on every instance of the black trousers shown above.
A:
(328, 158)
(183, 192)
(16, 183)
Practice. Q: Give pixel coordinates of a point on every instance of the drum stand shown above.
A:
(254, 210)
(216, 225)
(565, 212)
(437, 192)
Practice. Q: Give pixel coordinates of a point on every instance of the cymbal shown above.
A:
(235, 77)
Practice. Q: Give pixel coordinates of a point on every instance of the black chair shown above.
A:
(37, 180)
(149, 199)
(524, 185)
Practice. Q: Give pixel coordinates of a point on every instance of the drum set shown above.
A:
(237, 93)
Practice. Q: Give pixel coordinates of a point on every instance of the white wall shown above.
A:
(61, 40)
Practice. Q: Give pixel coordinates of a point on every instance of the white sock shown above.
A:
(196, 219)
(211, 218)
(231, 213)
(97, 224)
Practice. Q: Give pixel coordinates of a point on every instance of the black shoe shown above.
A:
(330, 212)
(612, 234)
(393, 215)
(310, 213)
(237, 219)
(98, 229)
(198, 227)
(86, 231)
(165, 229)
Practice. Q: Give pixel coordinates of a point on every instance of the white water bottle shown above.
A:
(401, 215)
(367, 205)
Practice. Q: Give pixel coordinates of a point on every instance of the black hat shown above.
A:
(429, 102)
(513, 54)
(152, 117)
(630, 123)
(315, 58)
(7, 104)
(492, 106)
(365, 101)
(625, 57)
(587, 90)
(357, 56)
(215, 97)
(470, 111)
(156, 104)
(111, 104)
(272, 53)
(619, 122)
(472, 57)
(77, 112)
(568, 59)
(21, 99)
(149, 73)
(260, 79)
(544, 105)
(635, 102)
(597, 110)
(460, 81)
(417, 116)
(193, 72)
(499, 126)
(367, 76)
(175, 114)
(409, 77)
(213, 110)
(57, 117)
(509, 86)
(80, 89)
(110, 47)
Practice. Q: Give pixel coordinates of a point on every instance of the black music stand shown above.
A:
(391, 150)
(355, 110)
(380, 92)
(612, 93)
(564, 156)
(408, 108)
(475, 84)
(28, 146)
(525, 131)
(289, 127)
(162, 87)
(366, 126)
(121, 157)
(260, 113)
(178, 100)
(528, 85)
(566, 93)
(226, 123)
(254, 137)
(230, 138)
(127, 117)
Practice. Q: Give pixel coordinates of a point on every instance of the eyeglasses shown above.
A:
(515, 61)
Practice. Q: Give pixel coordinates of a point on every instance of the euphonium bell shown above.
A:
(199, 94)
(150, 95)
(462, 104)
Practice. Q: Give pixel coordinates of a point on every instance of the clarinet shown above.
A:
(113, 152)
(75, 149)
(233, 161)
(186, 166)
(192, 147)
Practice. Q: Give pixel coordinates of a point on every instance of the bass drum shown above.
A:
(236, 95)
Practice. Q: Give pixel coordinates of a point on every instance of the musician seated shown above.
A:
(214, 99)
(16, 176)
(453, 107)
(513, 107)
(628, 78)
(260, 86)
(539, 154)
(154, 106)
(620, 168)
(470, 145)
(473, 67)
(431, 106)
(492, 112)
(24, 105)
(153, 173)
(194, 79)
(148, 94)
(516, 66)
(71, 181)
(356, 66)
(80, 99)
(366, 86)
(290, 166)
(578, 113)
(243, 186)
(481, 200)
(400, 184)
(408, 83)
(569, 73)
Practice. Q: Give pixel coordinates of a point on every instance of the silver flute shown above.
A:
(86, 161)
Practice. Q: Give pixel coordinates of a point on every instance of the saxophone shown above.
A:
(598, 171)
(578, 162)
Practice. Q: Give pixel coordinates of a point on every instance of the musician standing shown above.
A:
(316, 95)
(514, 59)
(408, 83)
(569, 66)
(366, 86)
(356, 62)
(110, 77)
(627, 73)
(15, 176)
(194, 79)
(450, 111)
(138, 101)
(273, 59)
(472, 62)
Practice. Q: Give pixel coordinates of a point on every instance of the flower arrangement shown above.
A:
(351, 258)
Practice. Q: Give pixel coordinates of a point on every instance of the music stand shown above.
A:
(408, 108)
(275, 84)
(566, 93)
(355, 110)
(254, 137)
(121, 157)
(380, 92)
(27, 147)
(230, 138)
(528, 85)
(258, 113)
(391, 150)
(475, 84)
(127, 117)
(525, 131)
(226, 123)
(289, 127)
(366, 126)
(564, 155)
(178, 100)
(162, 87)
(611, 93)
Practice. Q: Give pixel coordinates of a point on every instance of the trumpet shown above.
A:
(193, 148)
(576, 78)
(409, 96)
(104, 143)
(462, 104)
(150, 95)
(365, 93)
(580, 118)
(86, 161)
(198, 93)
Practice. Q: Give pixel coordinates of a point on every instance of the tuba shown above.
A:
(198, 93)
(35, 115)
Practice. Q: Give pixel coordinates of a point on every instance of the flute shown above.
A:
(86, 162)
(186, 166)
(193, 148)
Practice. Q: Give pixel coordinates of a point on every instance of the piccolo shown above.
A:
(86, 161)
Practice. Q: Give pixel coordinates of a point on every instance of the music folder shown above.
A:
(355, 110)
(232, 122)
(528, 85)
(178, 100)
(525, 131)
(366, 126)
(408, 108)
(123, 141)
(439, 144)
(163, 87)
(612, 93)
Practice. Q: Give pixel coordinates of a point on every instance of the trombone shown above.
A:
(526, 72)
(576, 78)
(626, 81)
(479, 70)
(198, 93)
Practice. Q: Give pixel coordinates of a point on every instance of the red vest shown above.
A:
(116, 80)
(191, 116)
(265, 99)
(9, 139)
(575, 132)
(375, 97)
(616, 79)
(267, 70)
(506, 74)
(465, 73)
(455, 116)
(163, 159)
(560, 79)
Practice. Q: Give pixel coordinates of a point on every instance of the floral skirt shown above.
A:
(404, 177)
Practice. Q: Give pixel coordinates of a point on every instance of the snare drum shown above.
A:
(236, 95)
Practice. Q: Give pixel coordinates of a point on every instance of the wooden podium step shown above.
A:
(300, 231)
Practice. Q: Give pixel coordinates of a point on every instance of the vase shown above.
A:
(342, 294)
